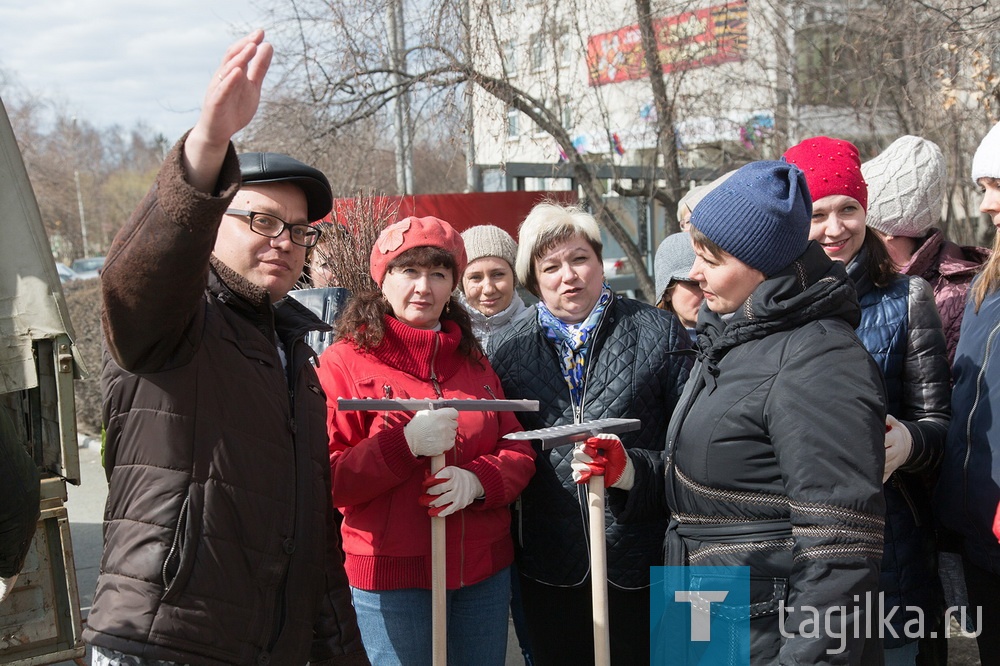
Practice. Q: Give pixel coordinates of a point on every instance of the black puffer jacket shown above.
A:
(901, 328)
(635, 369)
(219, 539)
(775, 461)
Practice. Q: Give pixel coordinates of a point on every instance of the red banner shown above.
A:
(504, 209)
(685, 41)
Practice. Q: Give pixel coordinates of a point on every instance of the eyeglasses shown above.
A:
(271, 226)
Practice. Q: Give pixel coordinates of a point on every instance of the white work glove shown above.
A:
(605, 456)
(6, 585)
(431, 432)
(898, 445)
(450, 490)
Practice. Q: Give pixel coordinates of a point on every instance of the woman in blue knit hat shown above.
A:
(775, 452)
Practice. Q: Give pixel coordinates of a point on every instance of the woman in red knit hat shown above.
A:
(901, 328)
(411, 339)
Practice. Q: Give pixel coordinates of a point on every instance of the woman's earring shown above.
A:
(447, 307)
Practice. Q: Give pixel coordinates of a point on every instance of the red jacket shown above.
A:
(377, 480)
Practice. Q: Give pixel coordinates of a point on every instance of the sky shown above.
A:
(118, 62)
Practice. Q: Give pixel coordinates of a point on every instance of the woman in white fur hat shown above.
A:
(488, 286)
(585, 353)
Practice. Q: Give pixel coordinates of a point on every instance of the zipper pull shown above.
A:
(387, 394)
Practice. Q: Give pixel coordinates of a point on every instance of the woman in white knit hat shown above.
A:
(968, 491)
(906, 186)
(488, 286)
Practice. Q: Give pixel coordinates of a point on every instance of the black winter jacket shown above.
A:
(901, 328)
(220, 546)
(636, 368)
(775, 458)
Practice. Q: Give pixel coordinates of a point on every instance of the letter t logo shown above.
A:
(701, 605)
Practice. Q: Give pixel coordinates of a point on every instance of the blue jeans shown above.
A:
(903, 656)
(396, 625)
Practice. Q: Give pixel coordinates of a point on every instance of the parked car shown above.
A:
(615, 261)
(617, 266)
(87, 267)
(65, 273)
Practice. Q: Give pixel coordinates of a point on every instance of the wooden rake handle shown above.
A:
(439, 581)
(598, 571)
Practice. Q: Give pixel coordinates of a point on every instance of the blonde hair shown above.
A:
(547, 225)
(988, 279)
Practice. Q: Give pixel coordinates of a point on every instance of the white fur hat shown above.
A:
(986, 163)
(545, 221)
(906, 185)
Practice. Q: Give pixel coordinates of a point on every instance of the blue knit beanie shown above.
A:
(761, 215)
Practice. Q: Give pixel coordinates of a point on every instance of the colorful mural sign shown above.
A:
(685, 41)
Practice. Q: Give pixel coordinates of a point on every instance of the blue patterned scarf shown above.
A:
(571, 341)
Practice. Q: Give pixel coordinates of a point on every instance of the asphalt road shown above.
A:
(86, 509)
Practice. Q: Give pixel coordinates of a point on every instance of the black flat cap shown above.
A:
(277, 168)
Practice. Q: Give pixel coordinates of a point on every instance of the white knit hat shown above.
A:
(487, 240)
(906, 186)
(986, 163)
(545, 220)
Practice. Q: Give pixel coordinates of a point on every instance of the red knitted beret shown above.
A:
(831, 166)
(414, 232)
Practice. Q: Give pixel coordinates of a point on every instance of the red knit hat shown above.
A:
(831, 166)
(413, 232)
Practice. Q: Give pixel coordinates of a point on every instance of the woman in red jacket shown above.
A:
(411, 339)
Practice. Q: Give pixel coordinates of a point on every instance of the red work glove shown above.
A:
(996, 523)
(604, 456)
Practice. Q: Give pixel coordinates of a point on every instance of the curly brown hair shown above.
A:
(364, 319)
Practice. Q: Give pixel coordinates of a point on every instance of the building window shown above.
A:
(535, 128)
(565, 46)
(827, 65)
(566, 113)
(512, 118)
(536, 48)
(509, 59)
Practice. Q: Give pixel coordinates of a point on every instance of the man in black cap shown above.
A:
(219, 538)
